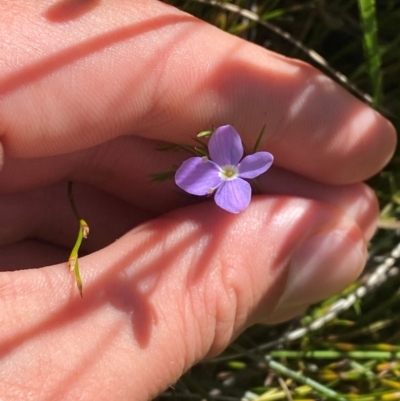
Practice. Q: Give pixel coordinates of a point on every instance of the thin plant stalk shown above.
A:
(73, 261)
(372, 53)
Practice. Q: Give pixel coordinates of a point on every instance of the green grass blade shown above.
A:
(325, 391)
(367, 12)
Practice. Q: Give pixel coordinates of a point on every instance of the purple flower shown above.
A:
(224, 172)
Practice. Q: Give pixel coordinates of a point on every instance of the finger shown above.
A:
(170, 292)
(123, 168)
(83, 85)
(357, 201)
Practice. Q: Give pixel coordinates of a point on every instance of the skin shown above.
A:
(86, 93)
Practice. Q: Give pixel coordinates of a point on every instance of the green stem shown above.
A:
(327, 354)
(258, 141)
(367, 9)
(327, 392)
(82, 233)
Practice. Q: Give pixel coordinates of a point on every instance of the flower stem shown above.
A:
(258, 141)
(82, 233)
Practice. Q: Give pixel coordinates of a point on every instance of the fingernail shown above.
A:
(323, 266)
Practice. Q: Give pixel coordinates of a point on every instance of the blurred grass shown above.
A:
(372, 53)
(345, 347)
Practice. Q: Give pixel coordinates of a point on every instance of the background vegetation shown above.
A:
(344, 348)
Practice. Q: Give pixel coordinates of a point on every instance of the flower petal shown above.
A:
(225, 146)
(198, 176)
(254, 165)
(233, 196)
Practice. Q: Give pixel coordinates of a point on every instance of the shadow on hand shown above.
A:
(67, 10)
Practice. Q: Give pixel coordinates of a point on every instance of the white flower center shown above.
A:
(228, 172)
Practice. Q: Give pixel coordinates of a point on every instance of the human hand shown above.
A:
(86, 99)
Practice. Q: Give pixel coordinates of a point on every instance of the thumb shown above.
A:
(167, 294)
(149, 70)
